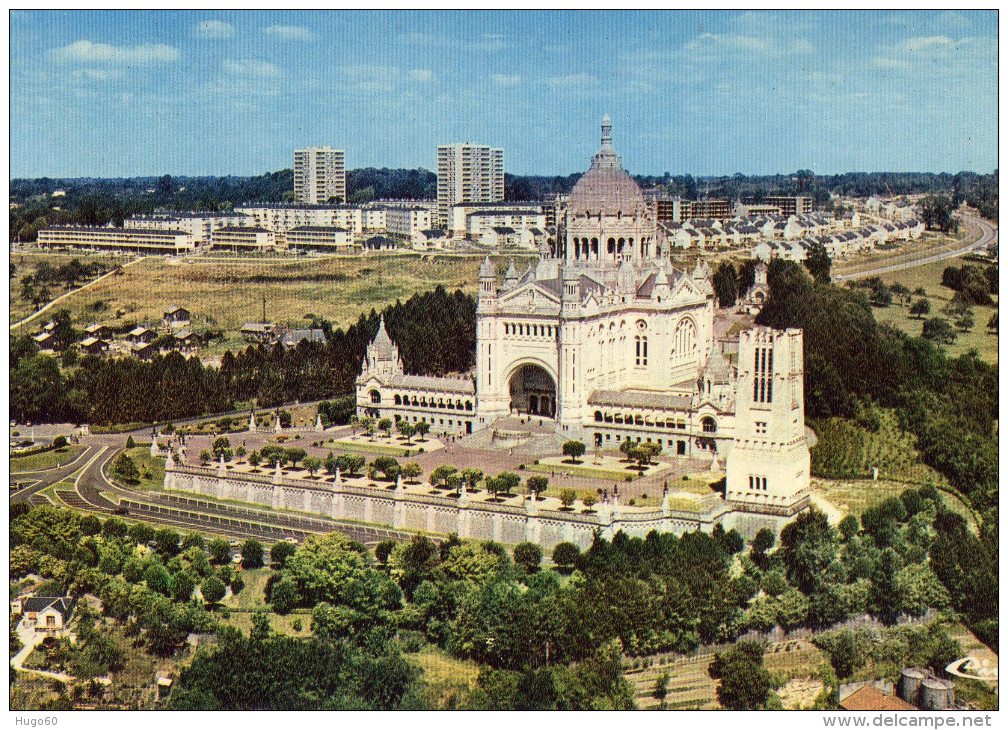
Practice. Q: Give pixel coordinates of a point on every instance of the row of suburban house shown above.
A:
(842, 244)
(749, 232)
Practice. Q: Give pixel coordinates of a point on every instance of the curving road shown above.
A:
(93, 491)
(988, 235)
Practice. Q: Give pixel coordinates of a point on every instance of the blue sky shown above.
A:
(141, 93)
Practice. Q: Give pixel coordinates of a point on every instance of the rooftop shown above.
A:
(869, 698)
(606, 187)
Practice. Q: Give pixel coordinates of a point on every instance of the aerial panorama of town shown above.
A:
(466, 402)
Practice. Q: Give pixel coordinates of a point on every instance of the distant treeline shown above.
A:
(979, 190)
(435, 331)
(99, 201)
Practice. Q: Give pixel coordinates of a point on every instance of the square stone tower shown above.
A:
(767, 469)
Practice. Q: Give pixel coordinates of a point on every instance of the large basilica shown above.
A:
(604, 340)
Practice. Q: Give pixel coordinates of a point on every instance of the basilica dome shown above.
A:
(606, 187)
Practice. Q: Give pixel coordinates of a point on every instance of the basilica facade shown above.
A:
(603, 340)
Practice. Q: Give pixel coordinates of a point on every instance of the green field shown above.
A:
(226, 294)
(847, 450)
(582, 470)
(25, 264)
(372, 448)
(929, 277)
(46, 459)
(252, 598)
(151, 468)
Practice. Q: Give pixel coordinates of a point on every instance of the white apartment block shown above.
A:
(319, 175)
(407, 222)
(468, 173)
(127, 240)
(282, 218)
(199, 225)
(373, 219)
(331, 239)
(472, 221)
(244, 238)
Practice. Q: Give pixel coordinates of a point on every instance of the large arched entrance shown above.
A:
(533, 392)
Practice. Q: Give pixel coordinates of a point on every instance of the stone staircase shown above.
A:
(532, 434)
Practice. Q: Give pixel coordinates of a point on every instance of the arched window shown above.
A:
(398, 400)
(468, 405)
(684, 340)
(598, 416)
(611, 245)
(375, 396)
(709, 425)
(640, 343)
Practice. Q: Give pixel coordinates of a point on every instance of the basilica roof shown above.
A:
(717, 368)
(633, 398)
(459, 384)
(382, 344)
(606, 187)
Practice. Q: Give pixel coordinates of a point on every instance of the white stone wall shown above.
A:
(441, 515)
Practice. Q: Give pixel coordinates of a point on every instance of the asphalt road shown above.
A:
(988, 234)
(90, 480)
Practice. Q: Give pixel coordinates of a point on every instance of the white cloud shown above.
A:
(290, 33)
(214, 30)
(571, 80)
(892, 63)
(251, 68)
(88, 52)
(506, 79)
(924, 44)
(716, 46)
(365, 78)
(803, 46)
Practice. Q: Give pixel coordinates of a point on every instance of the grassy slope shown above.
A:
(892, 450)
(845, 450)
(226, 294)
(46, 459)
(151, 469)
(929, 276)
(26, 263)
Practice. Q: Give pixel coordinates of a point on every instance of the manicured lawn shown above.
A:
(46, 459)
(151, 468)
(372, 447)
(582, 470)
(929, 277)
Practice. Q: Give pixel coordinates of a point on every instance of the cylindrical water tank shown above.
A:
(910, 683)
(936, 694)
